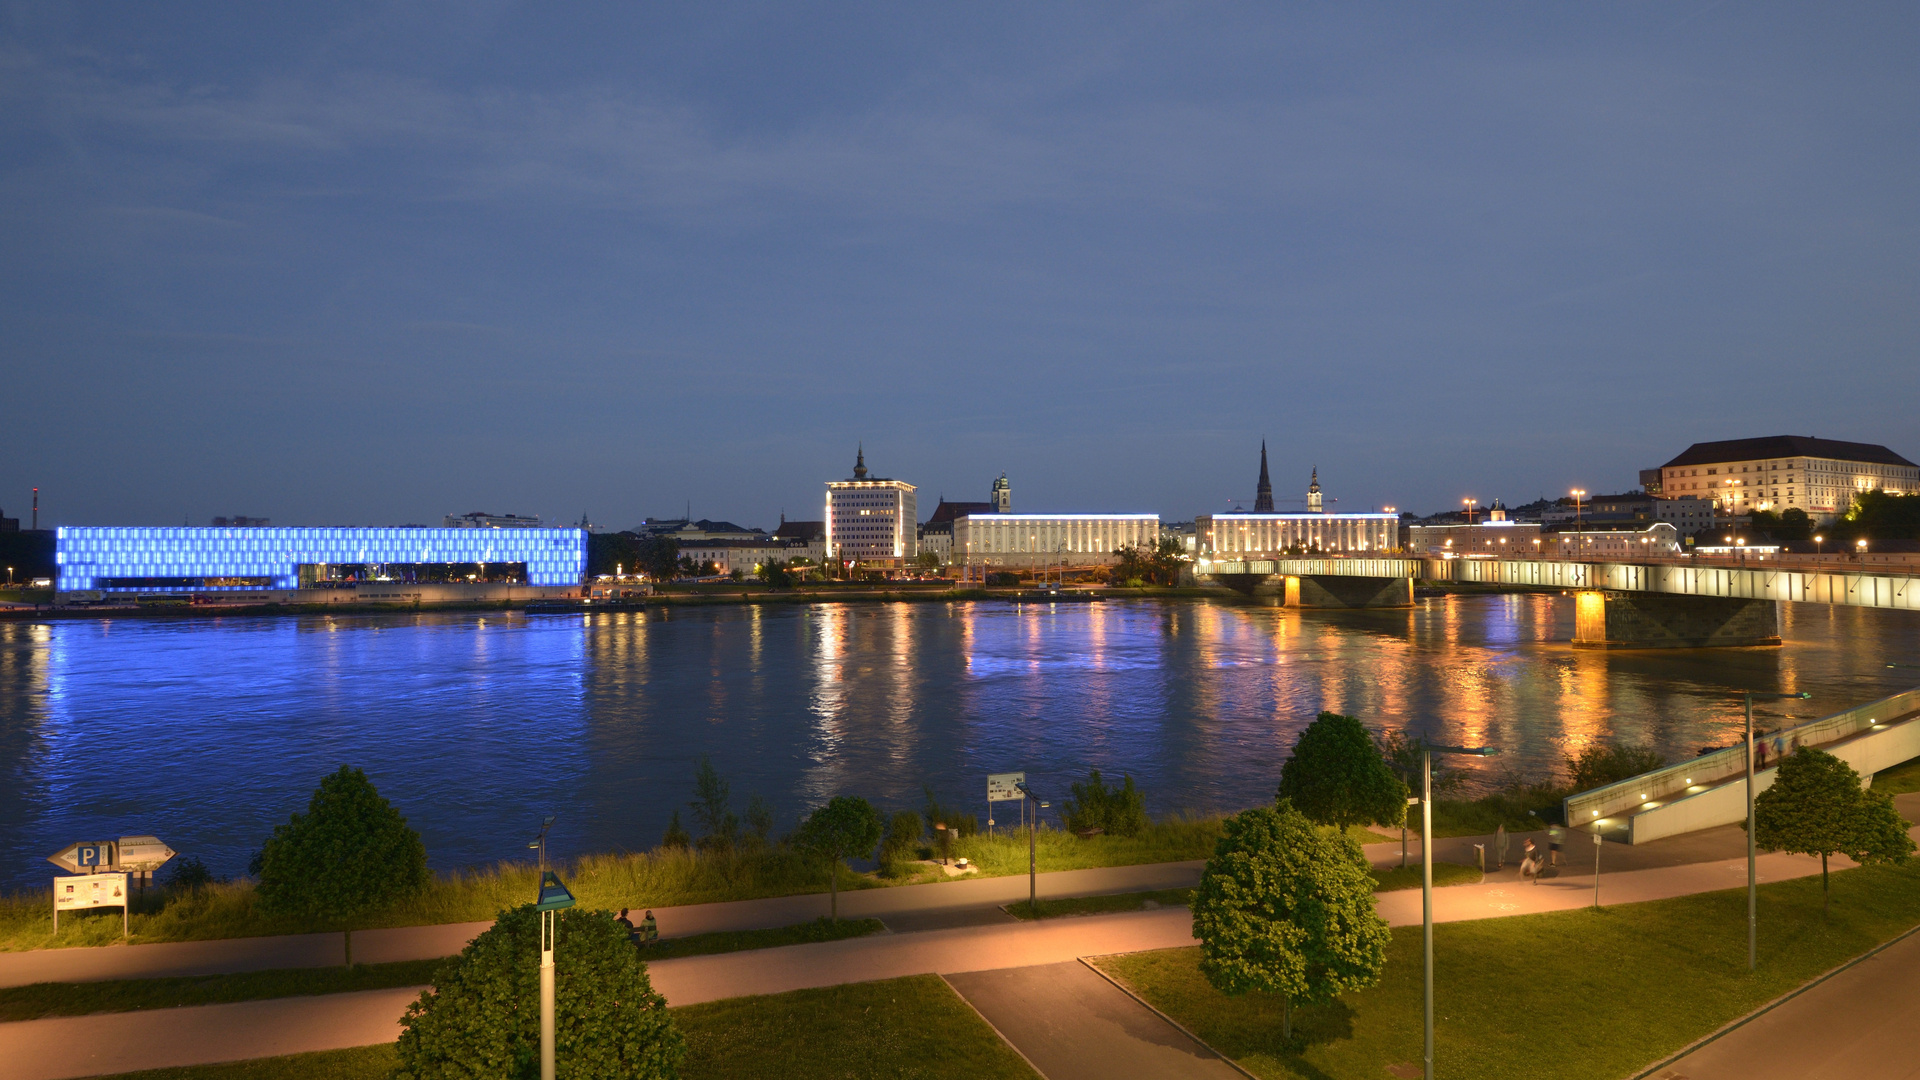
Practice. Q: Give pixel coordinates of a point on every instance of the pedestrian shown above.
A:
(649, 930)
(1530, 864)
(1554, 832)
(633, 934)
(1499, 847)
(1760, 756)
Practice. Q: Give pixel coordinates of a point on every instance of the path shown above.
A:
(1074, 1025)
(1864, 1018)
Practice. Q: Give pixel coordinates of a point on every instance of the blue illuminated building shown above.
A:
(145, 560)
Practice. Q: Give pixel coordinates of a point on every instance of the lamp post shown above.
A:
(1860, 546)
(1817, 541)
(552, 897)
(1426, 875)
(1578, 494)
(1753, 880)
(1033, 824)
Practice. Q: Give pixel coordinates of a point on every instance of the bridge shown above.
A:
(1685, 601)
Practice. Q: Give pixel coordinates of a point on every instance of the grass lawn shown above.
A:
(1609, 991)
(1444, 873)
(360, 1063)
(1101, 905)
(1899, 780)
(915, 1028)
(129, 995)
(771, 938)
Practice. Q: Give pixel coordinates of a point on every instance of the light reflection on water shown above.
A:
(207, 732)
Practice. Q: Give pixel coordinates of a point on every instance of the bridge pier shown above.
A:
(1348, 592)
(1618, 620)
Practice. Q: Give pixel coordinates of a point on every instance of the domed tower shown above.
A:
(1263, 495)
(860, 463)
(1002, 497)
(1313, 494)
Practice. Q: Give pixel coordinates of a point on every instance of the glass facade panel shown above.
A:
(87, 557)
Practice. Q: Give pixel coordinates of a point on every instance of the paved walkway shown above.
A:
(1857, 1025)
(1074, 1025)
(906, 904)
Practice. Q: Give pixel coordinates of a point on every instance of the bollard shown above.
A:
(1480, 852)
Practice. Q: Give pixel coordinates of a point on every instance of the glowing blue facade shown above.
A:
(136, 559)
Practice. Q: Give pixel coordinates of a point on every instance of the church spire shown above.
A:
(1313, 493)
(1263, 495)
(860, 463)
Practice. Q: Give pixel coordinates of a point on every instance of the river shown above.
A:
(208, 731)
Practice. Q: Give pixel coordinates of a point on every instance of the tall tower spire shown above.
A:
(860, 463)
(1313, 493)
(1263, 495)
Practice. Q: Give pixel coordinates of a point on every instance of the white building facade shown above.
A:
(1041, 540)
(1235, 536)
(1625, 543)
(872, 519)
(1785, 472)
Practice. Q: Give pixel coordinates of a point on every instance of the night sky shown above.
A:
(355, 264)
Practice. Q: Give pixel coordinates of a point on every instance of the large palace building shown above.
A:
(1264, 533)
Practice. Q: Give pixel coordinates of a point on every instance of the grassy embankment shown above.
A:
(1608, 991)
(130, 995)
(916, 1026)
(660, 878)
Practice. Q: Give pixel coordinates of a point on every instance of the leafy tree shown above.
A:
(1337, 777)
(711, 796)
(1403, 756)
(759, 819)
(351, 854)
(1120, 810)
(1286, 908)
(659, 557)
(774, 572)
(1602, 764)
(676, 836)
(609, 553)
(1877, 515)
(1816, 806)
(481, 1016)
(846, 828)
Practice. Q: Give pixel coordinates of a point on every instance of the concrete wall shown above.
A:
(368, 592)
(1610, 620)
(1349, 592)
(1727, 804)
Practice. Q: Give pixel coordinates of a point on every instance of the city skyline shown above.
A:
(389, 265)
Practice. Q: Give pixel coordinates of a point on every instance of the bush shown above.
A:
(963, 824)
(676, 835)
(1603, 764)
(187, 876)
(350, 855)
(482, 1015)
(902, 841)
(1120, 811)
(1337, 776)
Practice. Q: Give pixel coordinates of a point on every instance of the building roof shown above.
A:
(1779, 446)
(947, 511)
(800, 530)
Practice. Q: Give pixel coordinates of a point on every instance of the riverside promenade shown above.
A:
(67, 1047)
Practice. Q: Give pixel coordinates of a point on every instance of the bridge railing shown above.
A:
(1658, 785)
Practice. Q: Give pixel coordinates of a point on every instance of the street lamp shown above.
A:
(1753, 880)
(1817, 541)
(1426, 872)
(1861, 546)
(1033, 824)
(552, 897)
(1578, 493)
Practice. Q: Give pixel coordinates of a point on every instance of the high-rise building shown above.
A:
(871, 518)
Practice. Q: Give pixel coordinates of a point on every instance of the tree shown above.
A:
(846, 828)
(676, 835)
(1816, 806)
(1286, 908)
(349, 855)
(659, 556)
(610, 553)
(1404, 756)
(1337, 777)
(711, 796)
(774, 572)
(1117, 810)
(479, 1017)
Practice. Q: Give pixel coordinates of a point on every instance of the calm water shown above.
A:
(207, 732)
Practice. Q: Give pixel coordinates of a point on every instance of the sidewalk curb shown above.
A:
(1734, 1025)
(1008, 1043)
(1177, 1025)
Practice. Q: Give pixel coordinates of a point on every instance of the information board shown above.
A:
(89, 891)
(1002, 787)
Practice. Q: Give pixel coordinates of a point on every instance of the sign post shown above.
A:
(553, 897)
(1003, 787)
(92, 891)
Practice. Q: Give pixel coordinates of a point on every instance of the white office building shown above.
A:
(871, 519)
(1043, 540)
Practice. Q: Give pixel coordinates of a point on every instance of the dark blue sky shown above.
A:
(367, 264)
